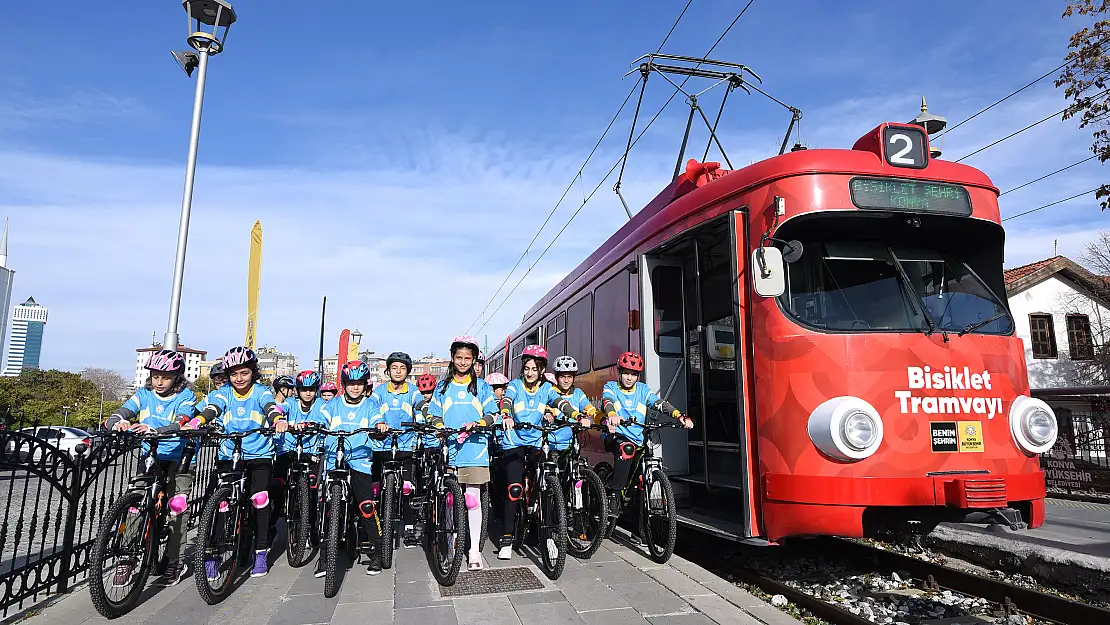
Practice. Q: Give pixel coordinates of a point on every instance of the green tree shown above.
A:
(203, 386)
(1084, 79)
(42, 397)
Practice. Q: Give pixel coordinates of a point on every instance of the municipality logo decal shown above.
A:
(970, 430)
(395, 401)
(462, 394)
(159, 409)
(241, 411)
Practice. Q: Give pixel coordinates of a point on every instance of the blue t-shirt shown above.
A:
(396, 408)
(632, 404)
(243, 413)
(292, 407)
(347, 417)
(155, 411)
(561, 438)
(528, 407)
(456, 406)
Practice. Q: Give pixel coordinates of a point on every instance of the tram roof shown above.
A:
(668, 206)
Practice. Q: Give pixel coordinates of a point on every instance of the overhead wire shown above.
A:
(1018, 132)
(577, 176)
(1026, 184)
(1033, 210)
(611, 170)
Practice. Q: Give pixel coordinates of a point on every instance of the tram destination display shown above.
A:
(917, 196)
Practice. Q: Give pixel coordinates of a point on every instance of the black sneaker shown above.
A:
(176, 571)
(375, 566)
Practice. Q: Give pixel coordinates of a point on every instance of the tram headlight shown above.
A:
(1033, 425)
(846, 428)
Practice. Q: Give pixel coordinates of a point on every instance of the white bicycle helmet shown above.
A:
(565, 364)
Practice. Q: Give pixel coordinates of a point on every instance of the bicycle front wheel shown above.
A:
(219, 537)
(126, 556)
(552, 523)
(446, 533)
(298, 523)
(336, 526)
(387, 518)
(658, 517)
(587, 512)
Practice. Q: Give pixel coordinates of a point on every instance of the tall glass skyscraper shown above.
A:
(7, 276)
(28, 322)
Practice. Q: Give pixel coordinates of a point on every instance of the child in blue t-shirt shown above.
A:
(161, 406)
(462, 401)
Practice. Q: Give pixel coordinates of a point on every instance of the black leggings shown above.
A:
(621, 468)
(511, 467)
(278, 488)
(362, 487)
(258, 473)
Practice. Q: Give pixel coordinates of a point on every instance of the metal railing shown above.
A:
(1079, 463)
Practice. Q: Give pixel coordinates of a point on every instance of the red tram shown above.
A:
(836, 323)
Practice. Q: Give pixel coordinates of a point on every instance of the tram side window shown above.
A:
(580, 332)
(666, 291)
(517, 350)
(557, 336)
(611, 320)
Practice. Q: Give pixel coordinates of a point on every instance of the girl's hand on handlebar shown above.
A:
(467, 426)
(140, 428)
(281, 426)
(382, 427)
(549, 417)
(585, 422)
(687, 422)
(508, 423)
(122, 425)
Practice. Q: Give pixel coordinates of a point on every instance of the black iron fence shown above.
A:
(52, 502)
(1079, 463)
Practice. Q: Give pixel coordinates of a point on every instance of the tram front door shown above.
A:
(692, 347)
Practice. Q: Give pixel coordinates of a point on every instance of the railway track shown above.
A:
(1009, 599)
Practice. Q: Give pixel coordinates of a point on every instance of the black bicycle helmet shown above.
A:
(400, 357)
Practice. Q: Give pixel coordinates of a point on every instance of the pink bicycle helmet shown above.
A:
(465, 340)
(166, 361)
(496, 379)
(535, 351)
(238, 357)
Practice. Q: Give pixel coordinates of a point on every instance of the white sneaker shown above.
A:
(552, 549)
(506, 553)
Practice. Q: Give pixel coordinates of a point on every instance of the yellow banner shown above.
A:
(254, 275)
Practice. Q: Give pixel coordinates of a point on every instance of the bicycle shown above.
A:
(658, 516)
(338, 523)
(586, 501)
(145, 551)
(393, 498)
(224, 534)
(301, 484)
(440, 504)
(543, 504)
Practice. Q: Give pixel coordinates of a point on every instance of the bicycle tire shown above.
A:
(659, 550)
(162, 560)
(595, 498)
(204, 532)
(331, 540)
(486, 508)
(444, 519)
(385, 548)
(604, 470)
(108, 530)
(552, 525)
(298, 525)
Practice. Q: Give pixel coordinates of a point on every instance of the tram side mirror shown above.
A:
(768, 272)
(792, 253)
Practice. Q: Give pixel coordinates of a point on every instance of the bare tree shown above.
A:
(111, 384)
(1091, 301)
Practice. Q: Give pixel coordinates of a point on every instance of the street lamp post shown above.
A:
(216, 14)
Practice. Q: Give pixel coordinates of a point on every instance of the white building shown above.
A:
(7, 277)
(331, 366)
(193, 360)
(1061, 312)
(25, 349)
(272, 363)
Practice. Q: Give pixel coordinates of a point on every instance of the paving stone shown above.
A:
(721, 611)
(358, 587)
(377, 612)
(533, 598)
(677, 582)
(428, 615)
(416, 595)
(548, 614)
(304, 610)
(619, 616)
(682, 619)
(591, 595)
(651, 598)
(485, 611)
(617, 573)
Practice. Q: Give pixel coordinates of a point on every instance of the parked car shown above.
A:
(60, 437)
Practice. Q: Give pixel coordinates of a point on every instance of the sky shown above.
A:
(402, 156)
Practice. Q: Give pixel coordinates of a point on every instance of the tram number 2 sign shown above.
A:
(905, 147)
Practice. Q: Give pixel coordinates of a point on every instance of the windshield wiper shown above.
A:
(978, 324)
(907, 290)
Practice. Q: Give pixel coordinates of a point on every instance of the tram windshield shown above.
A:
(851, 282)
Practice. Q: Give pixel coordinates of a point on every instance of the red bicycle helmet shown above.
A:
(327, 387)
(631, 361)
(426, 383)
